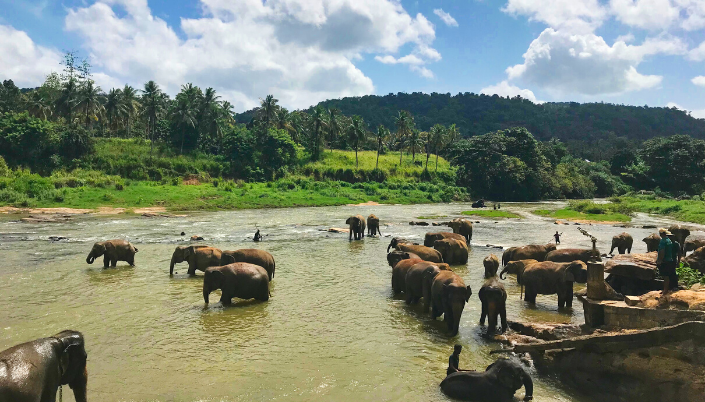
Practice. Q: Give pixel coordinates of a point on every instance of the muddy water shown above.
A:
(331, 331)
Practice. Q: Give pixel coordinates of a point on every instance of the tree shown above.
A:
(318, 122)
(113, 106)
(333, 126)
(10, 97)
(130, 106)
(38, 106)
(184, 115)
(436, 139)
(675, 164)
(382, 134)
(209, 116)
(357, 132)
(268, 110)
(66, 101)
(416, 142)
(405, 126)
(89, 97)
(153, 107)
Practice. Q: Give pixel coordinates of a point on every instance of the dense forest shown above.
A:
(590, 130)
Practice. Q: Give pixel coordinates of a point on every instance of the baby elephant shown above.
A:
(497, 383)
(112, 252)
(241, 280)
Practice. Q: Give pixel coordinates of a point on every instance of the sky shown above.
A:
(637, 52)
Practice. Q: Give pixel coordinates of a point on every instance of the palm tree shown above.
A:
(89, 100)
(357, 132)
(416, 142)
(38, 106)
(130, 106)
(209, 115)
(153, 104)
(318, 121)
(268, 109)
(382, 133)
(113, 106)
(66, 102)
(184, 114)
(405, 125)
(333, 126)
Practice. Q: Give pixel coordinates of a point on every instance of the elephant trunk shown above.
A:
(90, 258)
(388, 247)
(78, 385)
(502, 273)
(528, 387)
(171, 267)
(206, 293)
(457, 312)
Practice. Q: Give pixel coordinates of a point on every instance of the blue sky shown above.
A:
(641, 52)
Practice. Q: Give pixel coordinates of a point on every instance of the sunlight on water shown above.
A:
(331, 331)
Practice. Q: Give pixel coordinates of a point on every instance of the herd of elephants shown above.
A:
(34, 371)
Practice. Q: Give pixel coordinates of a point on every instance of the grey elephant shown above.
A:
(34, 371)
(693, 244)
(652, 242)
(572, 254)
(395, 256)
(622, 242)
(516, 268)
(199, 258)
(494, 303)
(399, 240)
(498, 383)
(431, 237)
(507, 255)
(241, 280)
(399, 271)
(453, 251)
(549, 278)
(536, 252)
(448, 297)
(253, 256)
(112, 252)
(491, 263)
(462, 227)
(357, 227)
(681, 233)
(373, 226)
(425, 253)
(419, 279)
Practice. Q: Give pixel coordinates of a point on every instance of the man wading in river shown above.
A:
(666, 262)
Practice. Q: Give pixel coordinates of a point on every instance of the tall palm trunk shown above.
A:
(183, 135)
(428, 155)
(356, 162)
(401, 154)
(377, 164)
(436, 162)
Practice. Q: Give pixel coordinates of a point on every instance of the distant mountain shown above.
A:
(474, 114)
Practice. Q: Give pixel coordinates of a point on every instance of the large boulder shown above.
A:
(639, 266)
(679, 300)
(696, 260)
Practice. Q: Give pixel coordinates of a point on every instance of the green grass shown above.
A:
(684, 210)
(688, 276)
(491, 214)
(569, 214)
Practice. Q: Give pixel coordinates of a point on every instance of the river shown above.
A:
(332, 331)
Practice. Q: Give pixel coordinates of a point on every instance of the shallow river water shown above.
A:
(331, 332)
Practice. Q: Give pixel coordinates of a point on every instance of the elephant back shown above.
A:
(571, 254)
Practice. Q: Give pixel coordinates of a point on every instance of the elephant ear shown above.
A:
(216, 277)
(347, 222)
(568, 275)
(188, 251)
(71, 361)
(109, 247)
(508, 378)
(467, 299)
(227, 259)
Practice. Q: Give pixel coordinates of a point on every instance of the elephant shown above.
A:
(507, 255)
(357, 227)
(462, 227)
(254, 256)
(516, 268)
(572, 254)
(373, 226)
(199, 258)
(419, 279)
(395, 256)
(494, 303)
(425, 253)
(453, 251)
(448, 297)
(112, 252)
(652, 242)
(34, 371)
(693, 244)
(431, 237)
(399, 273)
(622, 242)
(240, 279)
(681, 233)
(536, 252)
(398, 240)
(550, 277)
(498, 383)
(491, 263)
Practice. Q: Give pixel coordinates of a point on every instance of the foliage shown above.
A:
(675, 164)
(569, 214)
(683, 210)
(491, 213)
(688, 276)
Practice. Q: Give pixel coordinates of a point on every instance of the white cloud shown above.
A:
(698, 113)
(578, 16)
(445, 17)
(302, 51)
(646, 14)
(504, 88)
(586, 64)
(698, 53)
(23, 61)
(694, 11)
(699, 81)
(628, 38)
(423, 71)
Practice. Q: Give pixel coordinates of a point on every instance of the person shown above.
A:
(494, 206)
(499, 206)
(258, 236)
(665, 261)
(676, 256)
(454, 360)
(557, 236)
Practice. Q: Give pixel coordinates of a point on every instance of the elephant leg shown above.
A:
(629, 250)
(113, 263)
(409, 298)
(492, 322)
(131, 261)
(530, 295)
(226, 299)
(483, 314)
(350, 233)
(448, 318)
(379, 232)
(106, 261)
(503, 316)
(191, 269)
(561, 301)
(569, 299)
(435, 313)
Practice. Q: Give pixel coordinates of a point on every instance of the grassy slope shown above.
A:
(686, 210)
(569, 214)
(388, 163)
(491, 214)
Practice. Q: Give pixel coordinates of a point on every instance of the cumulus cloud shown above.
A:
(698, 53)
(586, 64)
(302, 51)
(646, 14)
(699, 81)
(569, 15)
(698, 113)
(23, 61)
(504, 88)
(445, 17)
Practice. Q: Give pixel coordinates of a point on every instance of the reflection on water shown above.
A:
(332, 330)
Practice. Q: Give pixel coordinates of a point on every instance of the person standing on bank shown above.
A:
(665, 261)
(676, 255)
(557, 236)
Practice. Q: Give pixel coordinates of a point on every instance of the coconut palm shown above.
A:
(184, 115)
(382, 134)
(153, 106)
(209, 115)
(130, 106)
(405, 126)
(38, 105)
(334, 125)
(113, 106)
(357, 132)
(88, 101)
(318, 122)
(66, 102)
(268, 109)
